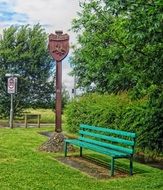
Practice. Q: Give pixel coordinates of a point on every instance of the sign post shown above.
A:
(11, 89)
(11, 112)
(58, 48)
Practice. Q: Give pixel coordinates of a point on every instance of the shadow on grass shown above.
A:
(98, 166)
(121, 165)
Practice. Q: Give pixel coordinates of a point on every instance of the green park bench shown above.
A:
(114, 143)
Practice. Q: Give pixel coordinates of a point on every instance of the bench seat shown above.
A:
(111, 142)
(100, 149)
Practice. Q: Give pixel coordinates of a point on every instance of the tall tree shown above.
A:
(23, 50)
(119, 45)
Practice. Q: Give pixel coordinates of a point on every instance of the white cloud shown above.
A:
(57, 14)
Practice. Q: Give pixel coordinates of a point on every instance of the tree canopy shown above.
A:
(23, 50)
(119, 45)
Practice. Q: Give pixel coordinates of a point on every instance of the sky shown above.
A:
(51, 14)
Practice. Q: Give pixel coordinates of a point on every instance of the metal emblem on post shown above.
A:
(58, 48)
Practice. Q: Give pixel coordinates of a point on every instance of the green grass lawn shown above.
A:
(22, 166)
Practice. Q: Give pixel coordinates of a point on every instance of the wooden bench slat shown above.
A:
(109, 138)
(107, 145)
(113, 131)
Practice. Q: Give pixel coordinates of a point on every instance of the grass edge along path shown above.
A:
(23, 167)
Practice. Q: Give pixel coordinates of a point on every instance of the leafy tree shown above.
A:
(23, 50)
(119, 45)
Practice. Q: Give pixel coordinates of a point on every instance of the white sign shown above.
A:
(12, 85)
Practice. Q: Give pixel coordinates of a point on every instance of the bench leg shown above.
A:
(65, 148)
(131, 165)
(38, 121)
(112, 167)
(26, 121)
(81, 149)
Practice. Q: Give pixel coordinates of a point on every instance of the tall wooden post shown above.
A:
(58, 110)
(59, 48)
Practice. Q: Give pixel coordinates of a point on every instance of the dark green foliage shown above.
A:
(119, 48)
(23, 50)
(147, 121)
(119, 112)
(119, 45)
(94, 109)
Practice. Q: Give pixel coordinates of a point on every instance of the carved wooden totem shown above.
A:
(58, 48)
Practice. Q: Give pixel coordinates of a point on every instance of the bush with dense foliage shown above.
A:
(117, 111)
(95, 109)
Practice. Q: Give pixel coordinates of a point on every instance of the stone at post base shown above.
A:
(55, 143)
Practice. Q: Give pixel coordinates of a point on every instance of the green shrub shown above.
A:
(95, 109)
(142, 116)
(145, 122)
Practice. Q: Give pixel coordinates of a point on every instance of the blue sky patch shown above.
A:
(7, 14)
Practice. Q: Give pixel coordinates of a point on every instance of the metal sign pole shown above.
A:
(11, 112)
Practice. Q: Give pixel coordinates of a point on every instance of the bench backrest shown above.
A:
(32, 116)
(122, 141)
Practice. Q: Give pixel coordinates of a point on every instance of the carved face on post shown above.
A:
(58, 45)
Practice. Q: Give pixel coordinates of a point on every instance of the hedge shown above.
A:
(119, 112)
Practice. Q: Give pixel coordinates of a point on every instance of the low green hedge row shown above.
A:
(117, 111)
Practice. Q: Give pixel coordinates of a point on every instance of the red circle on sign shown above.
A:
(11, 83)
